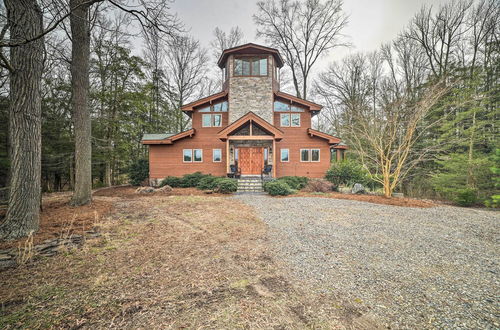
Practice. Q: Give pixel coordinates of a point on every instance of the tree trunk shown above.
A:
(80, 54)
(22, 218)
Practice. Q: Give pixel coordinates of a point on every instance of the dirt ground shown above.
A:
(185, 260)
(395, 201)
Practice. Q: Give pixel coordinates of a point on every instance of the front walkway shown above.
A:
(407, 267)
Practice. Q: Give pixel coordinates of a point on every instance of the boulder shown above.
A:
(358, 188)
(145, 190)
(165, 188)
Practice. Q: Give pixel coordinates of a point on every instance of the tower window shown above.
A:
(250, 66)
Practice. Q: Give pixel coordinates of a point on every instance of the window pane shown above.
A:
(205, 109)
(217, 120)
(197, 155)
(217, 155)
(187, 155)
(315, 155)
(220, 107)
(297, 109)
(263, 66)
(280, 106)
(207, 121)
(238, 67)
(255, 67)
(246, 67)
(285, 120)
(304, 155)
(284, 155)
(295, 119)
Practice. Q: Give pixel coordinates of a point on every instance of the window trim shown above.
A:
(213, 156)
(291, 120)
(281, 119)
(308, 156)
(198, 161)
(281, 155)
(203, 120)
(213, 120)
(319, 155)
(183, 159)
(251, 59)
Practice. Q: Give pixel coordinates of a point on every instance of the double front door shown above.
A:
(251, 160)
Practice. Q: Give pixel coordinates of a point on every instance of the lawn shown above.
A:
(183, 261)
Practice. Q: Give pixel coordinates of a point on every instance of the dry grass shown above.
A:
(59, 219)
(167, 261)
(396, 201)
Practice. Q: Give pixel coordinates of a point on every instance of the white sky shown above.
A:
(371, 22)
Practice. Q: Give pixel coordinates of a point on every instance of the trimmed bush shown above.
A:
(319, 185)
(208, 182)
(138, 172)
(295, 182)
(494, 201)
(347, 172)
(465, 197)
(172, 181)
(277, 188)
(192, 180)
(226, 185)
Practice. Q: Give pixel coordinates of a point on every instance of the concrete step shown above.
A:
(250, 185)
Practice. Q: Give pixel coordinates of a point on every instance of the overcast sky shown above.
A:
(371, 22)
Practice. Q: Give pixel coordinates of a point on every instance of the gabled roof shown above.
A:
(250, 116)
(313, 106)
(331, 139)
(166, 138)
(190, 106)
(250, 48)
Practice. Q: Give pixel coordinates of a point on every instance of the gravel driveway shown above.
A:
(408, 267)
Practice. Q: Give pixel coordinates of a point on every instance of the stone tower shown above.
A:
(250, 77)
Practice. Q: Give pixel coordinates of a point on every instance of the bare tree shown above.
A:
(223, 40)
(303, 31)
(439, 34)
(186, 65)
(25, 67)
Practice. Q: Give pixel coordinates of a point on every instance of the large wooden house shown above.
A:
(248, 127)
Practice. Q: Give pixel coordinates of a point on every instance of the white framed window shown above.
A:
(217, 120)
(285, 120)
(285, 155)
(206, 120)
(187, 155)
(314, 155)
(295, 122)
(304, 155)
(217, 155)
(197, 155)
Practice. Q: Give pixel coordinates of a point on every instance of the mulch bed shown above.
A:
(58, 219)
(376, 199)
(130, 192)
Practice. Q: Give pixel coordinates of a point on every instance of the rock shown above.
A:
(398, 195)
(145, 190)
(165, 188)
(358, 188)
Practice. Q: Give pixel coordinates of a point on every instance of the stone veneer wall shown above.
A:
(251, 94)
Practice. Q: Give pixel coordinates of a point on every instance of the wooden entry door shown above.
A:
(251, 160)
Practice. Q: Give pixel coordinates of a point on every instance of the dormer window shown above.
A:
(250, 66)
(216, 107)
(285, 107)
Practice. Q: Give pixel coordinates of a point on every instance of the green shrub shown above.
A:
(172, 181)
(226, 185)
(277, 187)
(208, 182)
(347, 172)
(295, 182)
(191, 180)
(138, 172)
(494, 201)
(465, 197)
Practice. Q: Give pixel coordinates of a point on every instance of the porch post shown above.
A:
(274, 158)
(227, 156)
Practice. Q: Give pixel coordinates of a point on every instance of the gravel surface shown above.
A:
(408, 267)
